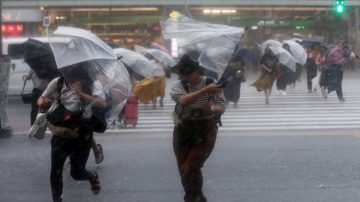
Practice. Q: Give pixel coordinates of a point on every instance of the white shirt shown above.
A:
(69, 98)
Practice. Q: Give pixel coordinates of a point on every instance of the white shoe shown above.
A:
(283, 93)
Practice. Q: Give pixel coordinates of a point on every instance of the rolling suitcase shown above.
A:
(131, 111)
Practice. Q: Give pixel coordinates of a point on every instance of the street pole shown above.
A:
(5, 128)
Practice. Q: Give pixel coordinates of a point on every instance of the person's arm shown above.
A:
(28, 76)
(189, 98)
(98, 101)
(45, 100)
(217, 109)
(265, 68)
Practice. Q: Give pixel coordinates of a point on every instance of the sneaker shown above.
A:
(310, 91)
(95, 183)
(98, 153)
(342, 99)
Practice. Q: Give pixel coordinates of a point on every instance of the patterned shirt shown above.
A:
(191, 111)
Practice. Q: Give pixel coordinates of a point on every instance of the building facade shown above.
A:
(126, 22)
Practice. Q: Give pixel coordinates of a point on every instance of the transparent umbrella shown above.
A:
(297, 51)
(162, 57)
(215, 42)
(136, 61)
(82, 49)
(270, 43)
(284, 57)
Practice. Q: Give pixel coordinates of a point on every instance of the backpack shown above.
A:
(208, 81)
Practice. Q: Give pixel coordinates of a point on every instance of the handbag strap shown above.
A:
(22, 92)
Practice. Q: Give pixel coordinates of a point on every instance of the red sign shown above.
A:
(14, 29)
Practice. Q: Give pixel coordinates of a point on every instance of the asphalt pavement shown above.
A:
(142, 168)
(256, 166)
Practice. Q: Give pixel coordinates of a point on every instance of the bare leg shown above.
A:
(266, 96)
(154, 103)
(162, 101)
(98, 152)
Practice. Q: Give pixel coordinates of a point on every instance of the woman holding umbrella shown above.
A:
(268, 64)
(73, 134)
(83, 59)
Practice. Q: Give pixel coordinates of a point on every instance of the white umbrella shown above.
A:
(136, 61)
(270, 43)
(206, 38)
(162, 57)
(284, 57)
(82, 49)
(297, 51)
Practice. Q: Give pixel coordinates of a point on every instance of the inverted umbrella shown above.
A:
(136, 61)
(40, 58)
(215, 42)
(297, 51)
(83, 50)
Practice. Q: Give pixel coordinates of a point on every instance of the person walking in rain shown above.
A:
(232, 88)
(268, 64)
(332, 76)
(72, 135)
(199, 103)
(284, 75)
(311, 70)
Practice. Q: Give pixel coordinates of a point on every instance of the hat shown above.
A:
(187, 65)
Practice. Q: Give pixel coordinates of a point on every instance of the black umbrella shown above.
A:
(40, 58)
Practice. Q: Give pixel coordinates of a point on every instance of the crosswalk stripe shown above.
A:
(295, 111)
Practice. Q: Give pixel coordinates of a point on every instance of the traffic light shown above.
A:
(340, 7)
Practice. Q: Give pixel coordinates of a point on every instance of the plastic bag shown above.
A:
(38, 129)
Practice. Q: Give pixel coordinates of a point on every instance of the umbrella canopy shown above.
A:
(162, 57)
(83, 51)
(284, 57)
(307, 43)
(136, 62)
(297, 51)
(270, 43)
(159, 47)
(215, 42)
(40, 58)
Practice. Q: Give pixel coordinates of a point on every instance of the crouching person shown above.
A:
(199, 104)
